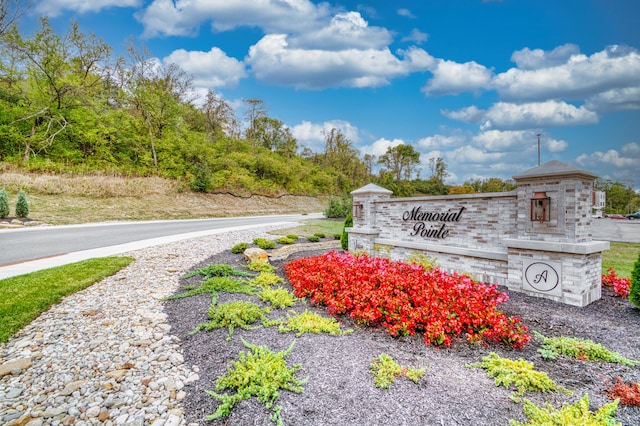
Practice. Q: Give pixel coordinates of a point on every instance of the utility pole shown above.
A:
(538, 149)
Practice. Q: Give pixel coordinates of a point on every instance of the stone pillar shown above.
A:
(556, 258)
(364, 230)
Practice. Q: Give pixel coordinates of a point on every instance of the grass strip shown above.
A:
(24, 297)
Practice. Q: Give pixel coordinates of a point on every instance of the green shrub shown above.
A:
(233, 314)
(586, 350)
(338, 207)
(201, 181)
(385, 370)
(278, 297)
(519, 372)
(309, 322)
(576, 414)
(285, 240)
(634, 288)
(4, 204)
(264, 244)
(319, 235)
(259, 265)
(22, 207)
(260, 373)
(217, 270)
(313, 238)
(239, 248)
(266, 279)
(344, 238)
(293, 237)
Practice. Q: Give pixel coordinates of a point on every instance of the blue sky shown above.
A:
(471, 81)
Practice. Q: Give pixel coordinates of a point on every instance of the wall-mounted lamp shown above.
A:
(358, 210)
(540, 207)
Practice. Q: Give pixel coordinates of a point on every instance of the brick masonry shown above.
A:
(492, 236)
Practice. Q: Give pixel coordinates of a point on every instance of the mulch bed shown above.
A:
(340, 388)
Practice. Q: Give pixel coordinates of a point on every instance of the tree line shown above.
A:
(69, 105)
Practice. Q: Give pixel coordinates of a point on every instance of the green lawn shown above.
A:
(621, 257)
(24, 297)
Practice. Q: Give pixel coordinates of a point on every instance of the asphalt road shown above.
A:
(29, 249)
(625, 231)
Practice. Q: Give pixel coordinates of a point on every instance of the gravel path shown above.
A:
(105, 355)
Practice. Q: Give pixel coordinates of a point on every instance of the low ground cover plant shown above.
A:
(569, 414)
(309, 322)
(405, 298)
(232, 314)
(386, 370)
(260, 373)
(628, 394)
(519, 372)
(278, 297)
(215, 285)
(586, 350)
(264, 244)
(217, 270)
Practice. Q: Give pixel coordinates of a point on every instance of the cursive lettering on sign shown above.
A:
(420, 228)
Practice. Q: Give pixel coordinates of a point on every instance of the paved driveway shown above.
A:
(627, 231)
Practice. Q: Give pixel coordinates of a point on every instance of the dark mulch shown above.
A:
(340, 388)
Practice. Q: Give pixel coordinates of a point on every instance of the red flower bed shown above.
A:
(620, 285)
(405, 298)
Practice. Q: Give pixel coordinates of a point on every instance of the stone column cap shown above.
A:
(371, 189)
(554, 168)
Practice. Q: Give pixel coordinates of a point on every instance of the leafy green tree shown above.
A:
(11, 11)
(275, 136)
(400, 161)
(634, 288)
(218, 115)
(4, 204)
(22, 206)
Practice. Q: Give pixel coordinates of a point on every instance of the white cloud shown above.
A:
(273, 61)
(516, 141)
(209, 69)
(55, 8)
(346, 30)
(615, 100)
(503, 115)
(528, 59)
(450, 78)
(579, 77)
(313, 135)
(381, 146)
(184, 17)
(615, 165)
(470, 114)
(441, 142)
(471, 154)
(406, 13)
(416, 36)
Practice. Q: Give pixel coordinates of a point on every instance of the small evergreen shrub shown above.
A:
(264, 244)
(233, 314)
(239, 248)
(4, 204)
(213, 286)
(266, 279)
(260, 373)
(338, 207)
(201, 181)
(309, 322)
(519, 372)
(582, 349)
(344, 238)
(258, 265)
(576, 414)
(293, 237)
(22, 206)
(313, 238)
(279, 297)
(319, 235)
(634, 288)
(285, 240)
(217, 270)
(386, 370)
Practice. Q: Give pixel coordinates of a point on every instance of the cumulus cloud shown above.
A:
(54, 8)
(503, 115)
(273, 61)
(451, 78)
(344, 31)
(313, 135)
(579, 77)
(441, 142)
(615, 100)
(613, 164)
(184, 17)
(380, 146)
(470, 114)
(515, 141)
(209, 69)
(528, 59)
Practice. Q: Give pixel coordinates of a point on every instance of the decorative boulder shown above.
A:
(255, 253)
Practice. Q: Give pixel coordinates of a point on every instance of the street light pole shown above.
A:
(538, 149)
